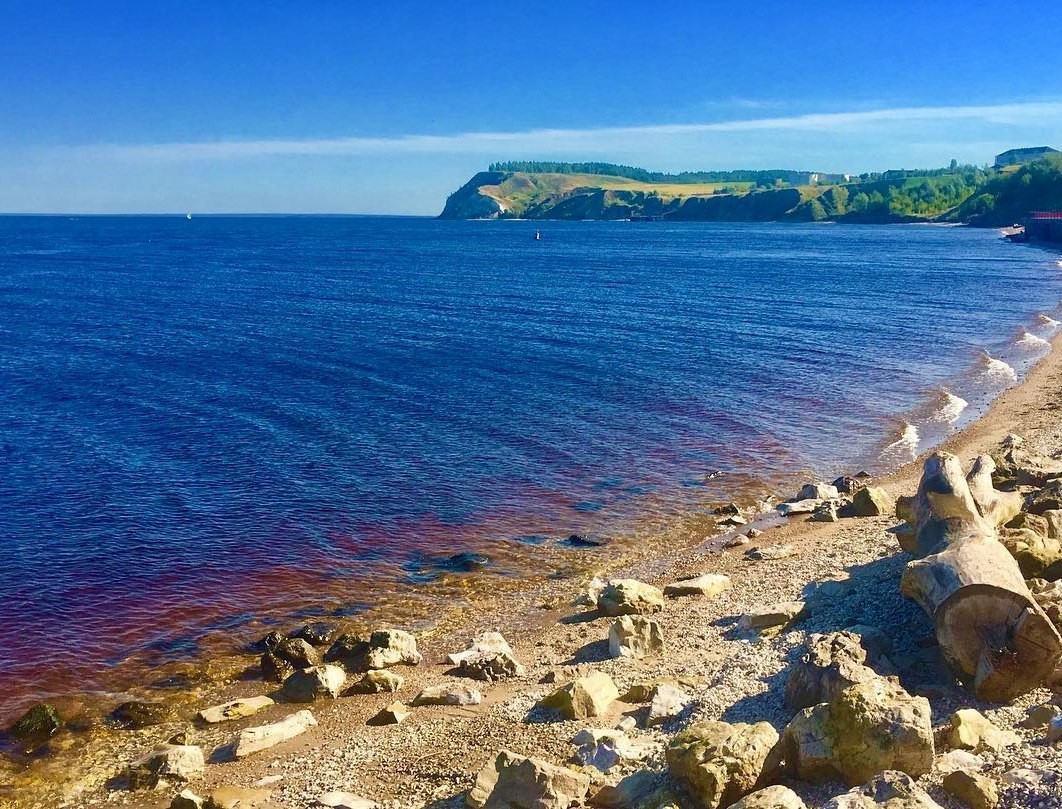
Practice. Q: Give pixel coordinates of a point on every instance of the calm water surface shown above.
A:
(204, 420)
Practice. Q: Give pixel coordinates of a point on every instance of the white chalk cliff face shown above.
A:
(472, 201)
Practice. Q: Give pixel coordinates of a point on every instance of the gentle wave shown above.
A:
(1047, 320)
(997, 369)
(951, 407)
(1030, 340)
(907, 443)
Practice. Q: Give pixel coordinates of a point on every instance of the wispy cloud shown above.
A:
(1015, 114)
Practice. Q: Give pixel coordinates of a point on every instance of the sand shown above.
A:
(432, 758)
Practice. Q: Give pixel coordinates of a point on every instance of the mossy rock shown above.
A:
(137, 714)
(36, 726)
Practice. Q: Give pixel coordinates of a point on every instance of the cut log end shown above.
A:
(993, 634)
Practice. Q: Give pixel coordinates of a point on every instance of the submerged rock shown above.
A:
(317, 633)
(512, 781)
(235, 709)
(137, 714)
(36, 726)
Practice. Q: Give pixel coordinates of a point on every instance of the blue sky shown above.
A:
(386, 108)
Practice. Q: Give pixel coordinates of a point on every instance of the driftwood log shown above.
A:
(989, 627)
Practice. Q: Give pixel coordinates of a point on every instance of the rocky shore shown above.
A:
(797, 659)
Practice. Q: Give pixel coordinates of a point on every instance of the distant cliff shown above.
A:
(968, 194)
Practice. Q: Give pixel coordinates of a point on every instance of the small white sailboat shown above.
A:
(538, 236)
(189, 215)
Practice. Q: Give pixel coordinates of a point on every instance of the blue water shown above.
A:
(203, 420)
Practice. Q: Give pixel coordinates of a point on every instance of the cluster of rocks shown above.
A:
(845, 497)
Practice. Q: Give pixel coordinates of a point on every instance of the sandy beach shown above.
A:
(847, 572)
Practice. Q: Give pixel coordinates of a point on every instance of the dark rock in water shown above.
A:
(275, 669)
(586, 541)
(351, 651)
(850, 485)
(136, 714)
(36, 726)
(298, 652)
(267, 643)
(731, 509)
(468, 562)
(318, 633)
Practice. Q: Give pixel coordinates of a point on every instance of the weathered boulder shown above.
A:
(872, 501)
(817, 491)
(1037, 556)
(666, 702)
(776, 797)
(826, 511)
(867, 728)
(137, 714)
(832, 663)
(483, 642)
(709, 584)
(635, 636)
(640, 789)
(887, 790)
(1049, 498)
(792, 509)
(235, 709)
(383, 649)
(36, 726)
(972, 730)
(779, 614)
(629, 597)
(585, 697)
(718, 763)
(378, 681)
(448, 694)
(298, 652)
(1016, 466)
(512, 781)
(975, 790)
(344, 800)
(394, 714)
(168, 763)
(850, 485)
(604, 749)
(312, 684)
(491, 666)
(262, 737)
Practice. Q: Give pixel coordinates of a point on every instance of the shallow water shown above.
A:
(208, 420)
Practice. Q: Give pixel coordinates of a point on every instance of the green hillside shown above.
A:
(552, 190)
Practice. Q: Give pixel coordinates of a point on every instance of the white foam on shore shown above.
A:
(1047, 320)
(951, 407)
(997, 369)
(907, 442)
(1030, 340)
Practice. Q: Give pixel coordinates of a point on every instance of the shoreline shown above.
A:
(532, 615)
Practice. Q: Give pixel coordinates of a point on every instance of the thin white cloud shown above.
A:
(1015, 114)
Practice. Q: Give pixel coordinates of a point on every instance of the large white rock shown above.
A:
(585, 697)
(255, 739)
(709, 584)
(168, 763)
(629, 597)
(481, 643)
(448, 694)
(603, 749)
(312, 684)
(667, 702)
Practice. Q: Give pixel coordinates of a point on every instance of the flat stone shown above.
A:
(262, 737)
(236, 709)
(237, 798)
(775, 615)
(769, 553)
(709, 584)
(448, 694)
(345, 800)
(798, 507)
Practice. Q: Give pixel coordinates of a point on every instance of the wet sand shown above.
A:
(433, 756)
